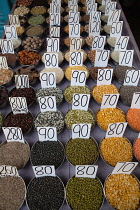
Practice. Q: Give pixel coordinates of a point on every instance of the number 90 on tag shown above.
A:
(86, 171)
(78, 78)
(81, 131)
(47, 133)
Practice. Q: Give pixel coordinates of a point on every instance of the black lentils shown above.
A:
(120, 72)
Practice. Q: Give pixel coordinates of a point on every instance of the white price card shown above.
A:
(80, 101)
(10, 32)
(3, 62)
(48, 79)
(121, 43)
(104, 76)
(74, 17)
(75, 44)
(132, 77)
(51, 60)
(104, 2)
(54, 19)
(114, 16)
(101, 58)
(41, 171)
(6, 170)
(110, 6)
(116, 129)
(90, 1)
(98, 42)
(91, 8)
(124, 167)
(54, 31)
(22, 81)
(109, 101)
(47, 133)
(81, 131)
(94, 28)
(55, 8)
(18, 105)
(74, 30)
(136, 101)
(95, 16)
(126, 58)
(78, 78)
(52, 44)
(14, 20)
(76, 58)
(72, 2)
(86, 171)
(116, 29)
(13, 134)
(56, 1)
(6, 46)
(47, 103)
(73, 8)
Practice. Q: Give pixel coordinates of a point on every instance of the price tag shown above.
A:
(90, 2)
(101, 58)
(56, 1)
(74, 30)
(8, 171)
(91, 8)
(47, 103)
(72, 2)
(75, 44)
(136, 101)
(18, 105)
(114, 16)
(14, 20)
(80, 101)
(10, 32)
(116, 129)
(109, 101)
(104, 77)
(52, 44)
(6, 46)
(41, 171)
(54, 31)
(51, 60)
(3, 62)
(47, 133)
(54, 19)
(22, 81)
(132, 77)
(94, 28)
(76, 58)
(110, 6)
(86, 171)
(104, 2)
(124, 167)
(73, 8)
(55, 8)
(121, 43)
(48, 80)
(74, 17)
(78, 78)
(13, 134)
(81, 131)
(126, 58)
(95, 16)
(98, 42)
(116, 29)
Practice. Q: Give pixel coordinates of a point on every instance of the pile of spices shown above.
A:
(12, 192)
(115, 56)
(84, 9)
(27, 57)
(126, 93)
(116, 149)
(67, 41)
(79, 116)
(122, 191)
(59, 73)
(1, 120)
(82, 151)
(22, 20)
(120, 72)
(107, 28)
(34, 30)
(14, 154)
(61, 43)
(47, 153)
(104, 18)
(31, 43)
(20, 30)
(3, 95)
(67, 9)
(24, 2)
(36, 20)
(133, 118)
(111, 41)
(109, 115)
(54, 91)
(94, 71)
(21, 11)
(102, 8)
(68, 70)
(48, 20)
(61, 10)
(40, 3)
(50, 119)
(67, 55)
(91, 55)
(16, 43)
(5, 76)
(86, 18)
(24, 121)
(70, 90)
(84, 193)
(136, 148)
(89, 40)
(11, 58)
(66, 18)
(99, 91)
(45, 193)
(60, 57)
(39, 10)
(66, 29)
(28, 93)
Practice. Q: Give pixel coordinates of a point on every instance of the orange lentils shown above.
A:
(133, 118)
(136, 148)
